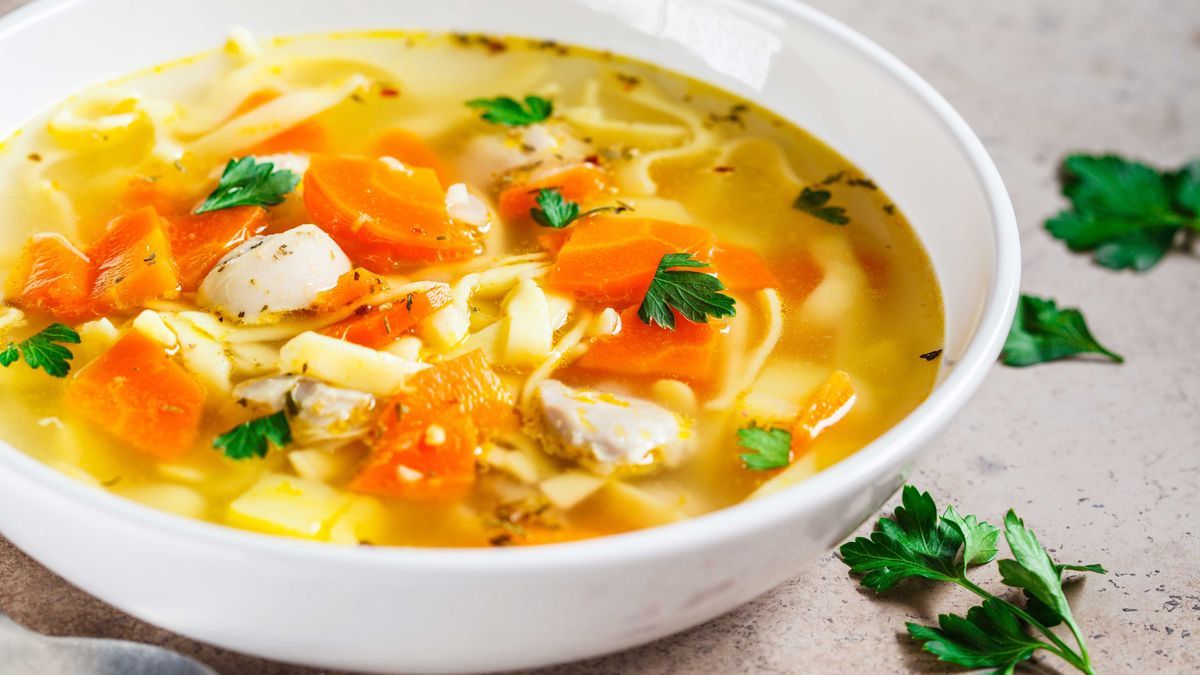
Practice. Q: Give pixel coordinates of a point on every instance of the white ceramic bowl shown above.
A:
(464, 610)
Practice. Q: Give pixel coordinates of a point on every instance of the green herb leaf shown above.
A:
(1041, 332)
(553, 210)
(695, 295)
(1031, 568)
(508, 111)
(913, 543)
(979, 538)
(989, 637)
(42, 350)
(1127, 213)
(248, 183)
(816, 203)
(772, 448)
(250, 439)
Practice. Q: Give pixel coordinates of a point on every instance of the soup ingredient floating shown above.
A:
(917, 542)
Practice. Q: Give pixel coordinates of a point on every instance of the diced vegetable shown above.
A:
(281, 504)
(427, 437)
(825, 407)
(53, 277)
(133, 263)
(741, 269)
(580, 183)
(351, 286)
(199, 241)
(377, 327)
(385, 217)
(612, 259)
(307, 136)
(137, 393)
(345, 364)
(411, 150)
(639, 349)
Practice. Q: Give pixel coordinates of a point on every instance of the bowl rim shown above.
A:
(899, 443)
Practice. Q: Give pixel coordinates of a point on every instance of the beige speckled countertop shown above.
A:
(1103, 461)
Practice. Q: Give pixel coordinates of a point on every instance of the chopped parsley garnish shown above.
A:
(1042, 332)
(816, 203)
(916, 542)
(695, 295)
(510, 112)
(771, 447)
(1126, 213)
(250, 439)
(248, 183)
(42, 350)
(554, 210)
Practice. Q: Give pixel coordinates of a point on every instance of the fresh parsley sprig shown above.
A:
(816, 203)
(1042, 332)
(695, 295)
(44, 350)
(1126, 213)
(509, 112)
(252, 439)
(245, 182)
(556, 211)
(917, 542)
(770, 448)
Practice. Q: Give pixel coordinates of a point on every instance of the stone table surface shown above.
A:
(1103, 460)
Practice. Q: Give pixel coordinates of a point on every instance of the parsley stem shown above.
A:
(1063, 651)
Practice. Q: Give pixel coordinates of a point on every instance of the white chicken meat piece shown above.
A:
(488, 156)
(321, 415)
(466, 207)
(269, 276)
(604, 431)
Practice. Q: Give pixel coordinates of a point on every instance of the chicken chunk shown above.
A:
(322, 415)
(605, 432)
(269, 276)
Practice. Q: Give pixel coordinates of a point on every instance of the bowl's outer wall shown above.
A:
(382, 610)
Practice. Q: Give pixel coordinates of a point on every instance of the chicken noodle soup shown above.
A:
(446, 290)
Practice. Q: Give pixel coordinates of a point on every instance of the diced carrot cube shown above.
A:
(199, 241)
(825, 407)
(580, 183)
(137, 393)
(741, 269)
(52, 276)
(412, 150)
(351, 287)
(377, 327)
(133, 263)
(685, 353)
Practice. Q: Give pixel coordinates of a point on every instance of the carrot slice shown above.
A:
(132, 263)
(52, 276)
(580, 183)
(685, 353)
(741, 269)
(385, 218)
(199, 241)
(425, 438)
(411, 150)
(166, 198)
(825, 407)
(135, 392)
(377, 327)
(613, 258)
(351, 286)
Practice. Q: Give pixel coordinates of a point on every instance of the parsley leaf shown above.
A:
(915, 542)
(42, 350)
(989, 637)
(509, 112)
(772, 448)
(250, 439)
(1127, 213)
(1041, 332)
(815, 203)
(248, 183)
(554, 210)
(695, 295)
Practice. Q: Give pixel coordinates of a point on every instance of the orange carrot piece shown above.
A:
(581, 183)
(377, 327)
(52, 276)
(613, 258)
(385, 219)
(308, 136)
(426, 438)
(411, 150)
(351, 286)
(825, 407)
(132, 263)
(685, 353)
(199, 241)
(741, 269)
(166, 199)
(137, 393)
